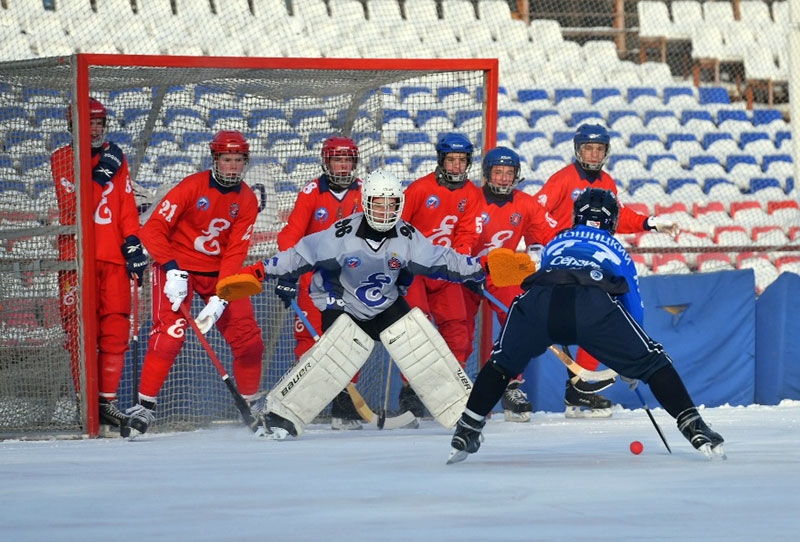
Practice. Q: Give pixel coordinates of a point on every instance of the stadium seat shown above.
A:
(713, 95)
(636, 139)
(784, 212)
(599, 94)
(684, 189)
(769, 235)
(709, 262)
(670, 264)
(533, 95)
(764, 117)
(733, 235)
(713, 212)
(748, 137)
(788, 264)
(679, 97)
(662, 121)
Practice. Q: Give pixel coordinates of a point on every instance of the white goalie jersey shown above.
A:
(360, 275)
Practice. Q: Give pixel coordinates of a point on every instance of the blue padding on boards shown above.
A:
(706, 323)
(778, 341)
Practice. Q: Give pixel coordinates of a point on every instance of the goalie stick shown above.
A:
(363, 409)
(239, 401)
(574, 368)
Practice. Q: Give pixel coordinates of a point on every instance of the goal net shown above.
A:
(163, 112)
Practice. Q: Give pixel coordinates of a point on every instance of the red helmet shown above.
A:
(96, 111)
(229, 142)
(339, 146)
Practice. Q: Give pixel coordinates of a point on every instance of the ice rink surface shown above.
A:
(551, 479)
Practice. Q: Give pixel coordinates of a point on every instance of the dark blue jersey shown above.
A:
(586, 247)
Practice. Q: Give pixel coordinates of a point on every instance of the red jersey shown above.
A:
(202, 226)
(115, 214)
(317, 208)
(447, 217)
(560, 191)
(505, 221)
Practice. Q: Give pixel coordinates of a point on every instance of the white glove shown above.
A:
(535, 254)
(662, 225)
(177, 287)
(210, 314)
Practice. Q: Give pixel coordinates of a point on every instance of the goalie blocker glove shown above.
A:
(135, 258)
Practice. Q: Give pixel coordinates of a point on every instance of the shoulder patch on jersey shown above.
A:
(321, 214)
(462, 205)
(203, 204)
(576, 193)
(352, 262)
(484, 218)
(394, 263)
(515, 219)
(432, 202)
(234, 210)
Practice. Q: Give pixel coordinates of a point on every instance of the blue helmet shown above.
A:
(501, 156)
(597, 208)
(591, 133)
(449, 143)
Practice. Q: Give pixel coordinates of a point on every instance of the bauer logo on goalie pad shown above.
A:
(464, 379)
(396, 338)
(296, 379)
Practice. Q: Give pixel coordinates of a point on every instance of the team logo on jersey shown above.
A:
(394, 263)
(484, 218)
(432, 202)
(352, 262)
(203, 204)
(321, 214)
(576, 193)
(462, 205)
(596, 274)
(515, 219)
(234, 210)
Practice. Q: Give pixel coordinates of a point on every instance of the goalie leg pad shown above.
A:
(429, 365)
(321, 373)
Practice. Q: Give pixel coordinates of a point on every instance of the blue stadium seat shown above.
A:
(614, 159)
(561, 137)
(509, 113)
(133, 113)
(259, 115)
(260, 160)
(614, 116)
(462, 116)
(165, 161)
(126, 138)
(6, 161)
(770, 158)
(293, 161)
(15, 137)
(780, 136)
(359, 137)
(407, 91)
(532, 95)
(673, 138)
(675, 183)
(765, 116)
(286, 186)
(300, 114)
(539, 114)
(522, 137)
(32, 161)
(539, 160)
(503, 139)
(417, 160)
(731, 114)
(12, 186)
(391, 114)
(49, 112)
(190, 138)
(712, 181)
(28, 93)
(699, 114)
(653, 158)
(655, 113)
(734, 159)
(579, 117)
(760, 183)
(424, 115)
(217, 114)
(711, 137)
(671, 92)
(173, 113)
(564, 93)
(600, 93)
(283, 136)
(444, 92)
(58, 139)
(636, 184)
(114, 94)
(635, 92)
(713, 95)
(405, 138)
(317, 137)
(789, 184)
(202, 90)
(531, 186)
(749, 137)
(638, 138)
(702, 160)
(479, 93)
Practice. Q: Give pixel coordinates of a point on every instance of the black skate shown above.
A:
(409, 400)
(113, 422)
(709, 442)
(142, 415)
(516, 407)
(585, 405)
(275, 427)
(467, 438)
(344, 415)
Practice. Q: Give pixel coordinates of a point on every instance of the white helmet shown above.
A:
(382, 184)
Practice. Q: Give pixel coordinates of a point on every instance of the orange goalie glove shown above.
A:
(243, 284)
(509, 268)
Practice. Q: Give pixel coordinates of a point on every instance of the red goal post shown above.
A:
(162, 111)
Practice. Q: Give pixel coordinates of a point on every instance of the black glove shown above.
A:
(286, 289)
(475, 286)
(135, 258)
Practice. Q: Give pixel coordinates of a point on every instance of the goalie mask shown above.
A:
(382, 199)
(597, 208)
(229, 143)
(591, 133)
(340, 172)
(452, 144)
(501, 183)
(96, 111)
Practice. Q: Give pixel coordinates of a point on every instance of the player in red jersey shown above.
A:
(556, 197)
(119, 258)
(444, 207)
(200, 232)
(330, 197)
(508, 215)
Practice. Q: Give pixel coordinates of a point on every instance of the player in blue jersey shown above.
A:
(586, 293)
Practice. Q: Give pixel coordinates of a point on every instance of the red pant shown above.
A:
(113, 290)
(444, 301)
(237, 325)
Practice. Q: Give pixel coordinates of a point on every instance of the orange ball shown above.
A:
(636, 447)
